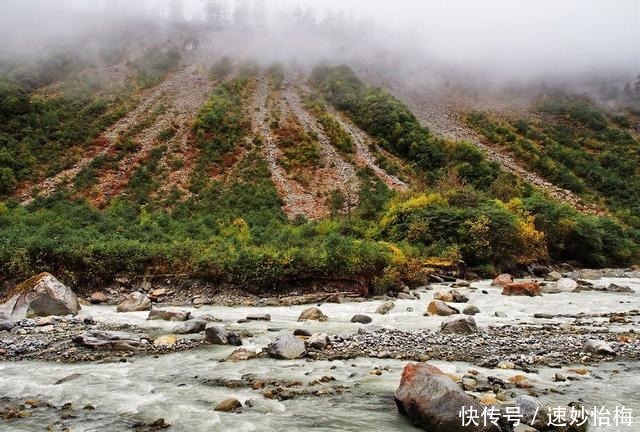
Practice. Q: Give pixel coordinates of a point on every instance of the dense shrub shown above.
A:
(381, 115)
(578, 146)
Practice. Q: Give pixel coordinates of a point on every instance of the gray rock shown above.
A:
(286, 346)
(550, 289)
(471, 310)
(6, 325)
(524, 428)
(369, 329)
(499, 314)
(67, 378)
(312, 314)
(301, 332)
(318, 341)
(553, 276)
(461, 284)
(559, 377)
(190, 327)
(215, 334)
(112, 340)
(566, 285)
(406, 296)
(599, 347)
(543, 316)
(433, 401)
(233, 339)
(159, 314)
(134, 302)
(385, 308)
(41, 295)
(620, 288)
(362, 319)
(469, 384)
(259, 317)
(458, 297)
(459, 325)
(530, 409)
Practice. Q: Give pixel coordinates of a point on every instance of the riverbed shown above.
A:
(181, 387)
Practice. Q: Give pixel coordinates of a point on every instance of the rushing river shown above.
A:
(174, 386)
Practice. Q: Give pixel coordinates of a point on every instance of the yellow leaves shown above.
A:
(238, 230)
(516, 206)
(480, 232)
(397, 256)
(416, 202)
(532, 242)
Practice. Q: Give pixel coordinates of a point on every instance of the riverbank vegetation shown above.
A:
(232, 230)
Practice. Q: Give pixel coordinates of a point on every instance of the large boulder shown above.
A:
(287, 347)
(41, 295)
(134, 302)
(566, 285)
(527, 288)
(459, 325)
(112, 340)
(433, 401)
(312, 314)
(438, 307)
(502, 280)
(166, 315)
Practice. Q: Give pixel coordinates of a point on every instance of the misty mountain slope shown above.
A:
(446, 118)
(576, 143)
(335, 170)
(296, 199)
(162, 118)
(182, 96)
(365, 157)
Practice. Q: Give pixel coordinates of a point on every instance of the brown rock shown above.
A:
(432, 401)
(167, 315)
(134, 302)
(228, 405)
(98, 297)
(502, 280)
(528, 288)
(312, 314)
(158, 292)
(443, 296)
(438, 307)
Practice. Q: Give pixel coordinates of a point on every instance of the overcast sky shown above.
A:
(508, 37)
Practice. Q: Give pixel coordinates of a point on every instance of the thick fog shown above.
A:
(489, 40)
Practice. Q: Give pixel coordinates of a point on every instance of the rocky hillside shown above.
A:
(182, 162)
